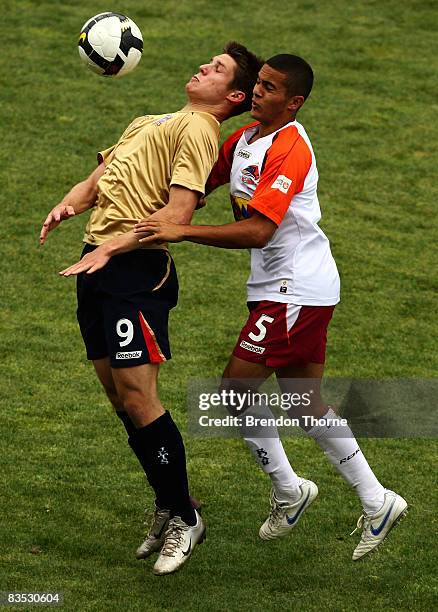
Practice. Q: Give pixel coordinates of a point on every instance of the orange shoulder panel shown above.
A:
(286, 165)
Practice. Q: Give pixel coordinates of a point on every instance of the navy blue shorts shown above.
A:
(123, 308)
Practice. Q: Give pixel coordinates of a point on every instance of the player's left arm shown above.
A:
(252, 233)
(180, 208)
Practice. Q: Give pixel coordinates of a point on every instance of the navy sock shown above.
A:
(137, 450)
(127, 423)
(162, 453)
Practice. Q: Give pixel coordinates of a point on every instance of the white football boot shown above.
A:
(179, 543)
(375, 527)
(155, 538)
(284, 516)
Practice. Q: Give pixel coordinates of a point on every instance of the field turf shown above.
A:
(71, 495)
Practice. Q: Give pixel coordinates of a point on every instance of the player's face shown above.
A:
(271, 101)
(212, 83)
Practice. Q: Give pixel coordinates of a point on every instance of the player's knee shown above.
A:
(236, 394)
(136, 400)
(113, 397)
(132, 401)
(141, 409)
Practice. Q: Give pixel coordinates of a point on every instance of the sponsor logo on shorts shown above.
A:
(252, 347)
(282, 183)
(129, 355)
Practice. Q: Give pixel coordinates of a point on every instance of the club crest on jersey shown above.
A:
(250, 175)
(282, 183)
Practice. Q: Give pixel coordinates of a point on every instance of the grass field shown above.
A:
(71, 495)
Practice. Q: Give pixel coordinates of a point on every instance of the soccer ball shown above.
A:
(110, 44)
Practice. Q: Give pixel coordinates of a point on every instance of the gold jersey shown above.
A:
(154, 152)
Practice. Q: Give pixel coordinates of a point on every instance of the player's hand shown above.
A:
(155, 231)
(91, 262)
(54, 218)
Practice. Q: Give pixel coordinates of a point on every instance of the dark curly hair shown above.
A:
(248, 67)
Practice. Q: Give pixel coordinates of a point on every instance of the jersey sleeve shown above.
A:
(220, 174)
(284, 171)
(105, 155)
(195, 154)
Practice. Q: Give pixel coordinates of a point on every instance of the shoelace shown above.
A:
(173, 538)
(362, 523)
(359, 524)
(276, 513)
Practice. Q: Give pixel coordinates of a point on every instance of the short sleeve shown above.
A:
(106, 155)
(284, 171)
(195, 154)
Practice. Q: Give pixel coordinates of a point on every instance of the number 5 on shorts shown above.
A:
(125, 329)
(260, 326)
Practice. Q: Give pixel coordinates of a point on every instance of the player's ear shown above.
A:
(295, 103)
(236, 97)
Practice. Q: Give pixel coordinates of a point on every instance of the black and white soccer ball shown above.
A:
(110, 44)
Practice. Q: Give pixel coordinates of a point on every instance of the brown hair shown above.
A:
(247, 70)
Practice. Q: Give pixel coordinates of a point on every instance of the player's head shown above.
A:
(247, 67)
(227, 81)
(284, 83)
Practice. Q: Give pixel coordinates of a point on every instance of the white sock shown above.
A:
(271, 457)
(342, 450)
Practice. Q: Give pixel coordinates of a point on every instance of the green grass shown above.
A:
(71, 493)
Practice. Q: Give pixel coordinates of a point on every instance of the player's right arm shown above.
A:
(79, 199)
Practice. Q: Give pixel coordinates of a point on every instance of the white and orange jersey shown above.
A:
(277, 176)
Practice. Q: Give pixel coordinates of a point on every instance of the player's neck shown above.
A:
(265, 129)
(217, 112)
